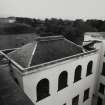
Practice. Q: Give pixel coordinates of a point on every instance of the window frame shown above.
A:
(86, 94)
(76, 99)
(39, 93)
(102, 88)
(99, 99)
(103, 69)
(89, 68)
(78, 70)
(60, 85)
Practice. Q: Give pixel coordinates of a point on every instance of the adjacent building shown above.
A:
(7, 20)
(99, 95)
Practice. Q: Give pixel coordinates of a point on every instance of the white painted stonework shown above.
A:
(100, 77)
(52, 74)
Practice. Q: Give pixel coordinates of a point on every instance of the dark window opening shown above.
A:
(11, 72)
(62, 81)
(89, 68)
(42, 89)
(103, 69)
(75, 100)
(86, 94)
(64, 104)
(16, 80)
(99, 101)
(101, 88)
(77, 76)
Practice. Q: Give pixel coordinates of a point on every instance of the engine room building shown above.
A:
(55, 71)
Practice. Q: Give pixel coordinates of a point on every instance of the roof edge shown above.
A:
(12, 61)
(49, 38)
(69, 41)
(35, 46)
(29, 69)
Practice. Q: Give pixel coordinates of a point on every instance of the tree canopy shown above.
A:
(72, 30)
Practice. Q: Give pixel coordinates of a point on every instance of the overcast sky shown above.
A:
(66, 9)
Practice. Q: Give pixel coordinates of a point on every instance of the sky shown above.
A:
(65, 9)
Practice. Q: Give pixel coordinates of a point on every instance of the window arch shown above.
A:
(62, 81)
(77, 75)
(42, 89)
(89, 68)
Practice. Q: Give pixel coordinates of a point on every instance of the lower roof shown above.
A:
(10, 92)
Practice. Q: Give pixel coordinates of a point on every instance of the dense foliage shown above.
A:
(73, 30)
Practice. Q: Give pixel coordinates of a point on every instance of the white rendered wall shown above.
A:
(52, 74)
(100, 78)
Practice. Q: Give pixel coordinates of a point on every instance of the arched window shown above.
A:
(42, 89)
(89, 68)
(62, 81)
(77, 75)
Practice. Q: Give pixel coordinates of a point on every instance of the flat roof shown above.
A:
(96, 34)
(36, 68)
(44, 52)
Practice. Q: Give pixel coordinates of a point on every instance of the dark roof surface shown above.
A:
(10, 93)
(44, 50)
(23, 55)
